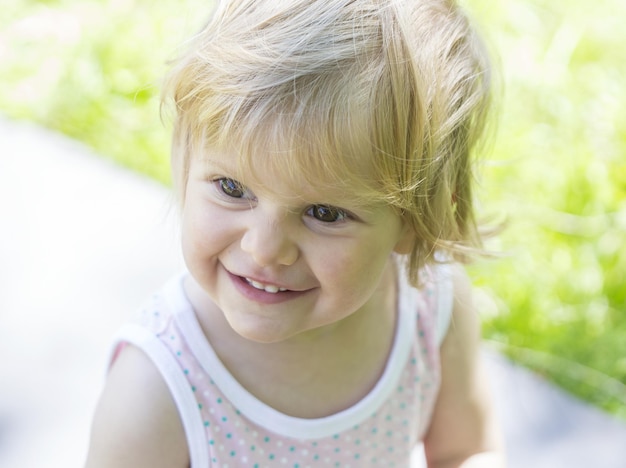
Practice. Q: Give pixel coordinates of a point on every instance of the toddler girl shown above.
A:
(321, 155)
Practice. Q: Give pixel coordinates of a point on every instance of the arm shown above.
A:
(463, 433)
(136, 423)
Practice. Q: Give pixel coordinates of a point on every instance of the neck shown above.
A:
(334, 366)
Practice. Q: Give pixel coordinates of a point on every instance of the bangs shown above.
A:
(314, 143)
(295, 95)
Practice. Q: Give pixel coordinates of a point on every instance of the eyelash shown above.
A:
(228, 187)
(337, 214)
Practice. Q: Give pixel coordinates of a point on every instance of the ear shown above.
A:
(406, 240)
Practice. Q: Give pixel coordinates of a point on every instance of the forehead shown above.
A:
(293, 175)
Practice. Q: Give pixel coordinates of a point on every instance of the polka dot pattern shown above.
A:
(385, 438)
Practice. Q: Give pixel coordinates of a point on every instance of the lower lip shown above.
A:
(261, 296)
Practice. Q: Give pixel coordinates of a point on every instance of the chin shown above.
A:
(259, 334)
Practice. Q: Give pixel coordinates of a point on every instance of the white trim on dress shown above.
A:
(178, 385)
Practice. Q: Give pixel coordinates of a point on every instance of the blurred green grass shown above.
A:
(555, 301)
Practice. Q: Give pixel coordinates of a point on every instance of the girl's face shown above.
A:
(281, 265)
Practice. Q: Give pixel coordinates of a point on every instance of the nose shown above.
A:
(268, 242)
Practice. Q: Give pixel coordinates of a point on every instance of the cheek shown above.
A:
(191, 241)
(353, 270)
(201, 230)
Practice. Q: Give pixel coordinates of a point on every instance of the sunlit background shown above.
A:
(555, 301)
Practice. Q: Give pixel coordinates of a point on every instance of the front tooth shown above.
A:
(267, 288)
(256, 284)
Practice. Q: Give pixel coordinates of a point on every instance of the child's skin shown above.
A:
(297, 347)
(294, 276)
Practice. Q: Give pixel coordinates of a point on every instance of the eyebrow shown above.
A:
(323, 196)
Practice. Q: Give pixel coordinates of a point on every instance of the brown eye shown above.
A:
(326, 214)
(232, 188)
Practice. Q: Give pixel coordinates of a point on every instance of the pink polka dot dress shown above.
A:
(228, 427)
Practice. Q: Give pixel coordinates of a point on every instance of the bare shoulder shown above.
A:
(465, 324)
(136, 423)
(460, 347)
(462, 422)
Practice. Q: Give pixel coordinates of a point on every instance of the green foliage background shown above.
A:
(556, 172)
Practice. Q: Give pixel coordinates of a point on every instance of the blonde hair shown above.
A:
(384, 99)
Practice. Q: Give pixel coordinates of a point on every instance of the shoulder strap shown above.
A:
(177, 383)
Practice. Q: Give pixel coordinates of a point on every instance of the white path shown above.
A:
(83, 242)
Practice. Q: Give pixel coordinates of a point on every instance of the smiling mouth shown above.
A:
(269, 288)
